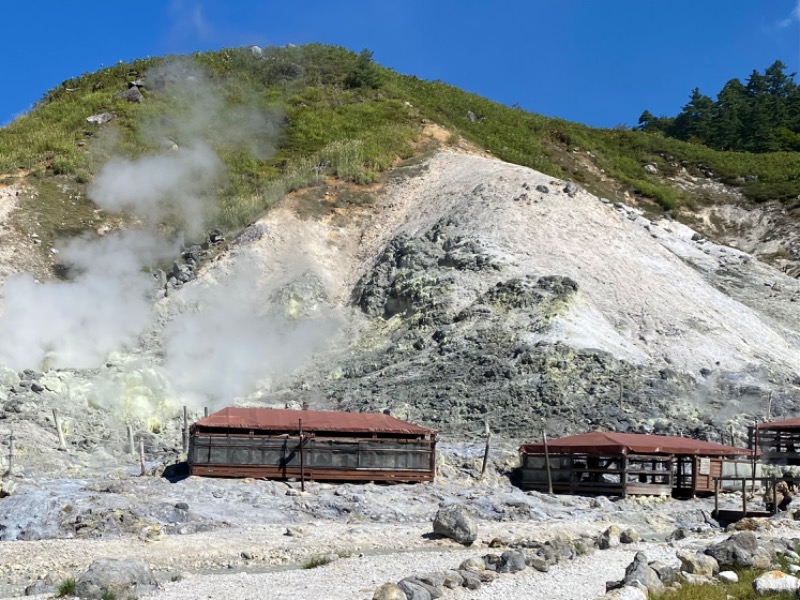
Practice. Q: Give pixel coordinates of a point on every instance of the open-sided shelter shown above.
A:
(778, 442)
(620, 464)
(312, 445)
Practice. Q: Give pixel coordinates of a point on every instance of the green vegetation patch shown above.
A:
(332, 113)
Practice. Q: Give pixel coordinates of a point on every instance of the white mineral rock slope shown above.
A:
(648, 292)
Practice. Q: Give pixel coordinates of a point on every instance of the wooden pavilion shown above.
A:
(622, 464)
(777, 442)
(311, 445)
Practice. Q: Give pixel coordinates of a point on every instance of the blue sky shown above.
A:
(600, 62)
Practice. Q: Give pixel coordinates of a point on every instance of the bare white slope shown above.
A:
(644, 293)
(638, 296)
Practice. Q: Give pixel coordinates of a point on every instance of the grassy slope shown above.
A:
(353, 134)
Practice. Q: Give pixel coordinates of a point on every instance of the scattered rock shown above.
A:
(629, 536)
(389, 591)
(775, 582)
(610, 538)
(100, 118)
(457, 523)
(123, 578)
(728, 577)
(698, 564)
(132, 94)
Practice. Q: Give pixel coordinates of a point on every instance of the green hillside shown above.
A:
(338, 114)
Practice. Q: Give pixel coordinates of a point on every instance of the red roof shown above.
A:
(276, 419)
(787, 424)
(606, 442)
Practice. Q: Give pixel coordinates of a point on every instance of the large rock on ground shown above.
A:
(123, 578)
(389, 591)
(415, 590)
(775, 582)
(610, 538)
(737, 551)
(457, 523)
(642, 573)
(698, 564)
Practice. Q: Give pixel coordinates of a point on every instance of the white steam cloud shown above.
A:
(77, 323)
(156, 187)
(228, 339)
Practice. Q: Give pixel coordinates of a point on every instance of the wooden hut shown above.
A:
(620, 464)
(311, 445)
(778, 442)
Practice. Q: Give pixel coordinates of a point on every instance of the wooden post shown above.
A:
(774, 496)
(744, 497)
(185, 429)
(9, 472)
(716, 498)
(623, 476)
(486, 449)
(755, 451)
(547, 463)
(302, 465)
(62, 445)
(131, 446)
(143, 470)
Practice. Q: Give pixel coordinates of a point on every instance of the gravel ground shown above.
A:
(351, 578)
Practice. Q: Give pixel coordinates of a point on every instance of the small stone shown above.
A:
(728, 577)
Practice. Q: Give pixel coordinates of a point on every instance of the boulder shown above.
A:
(543, 189)
(123, 578)
(474, 564)
(609, 538)
(667, 574)
(433, 578)
(389, 591)
(775, 582)
(629, 536)
(737, 551)
(453, 579)
(640, 572)
(651, 169)
(457, 523)
(492, 562)
(698, 564)
(511, 561)
(414, 590)
(471, 580)
(415, 585)
(571, 189)
(100, 118)
(132, 94)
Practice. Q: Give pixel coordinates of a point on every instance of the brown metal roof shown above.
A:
(605, 442)
(276, 419)
(787, 424)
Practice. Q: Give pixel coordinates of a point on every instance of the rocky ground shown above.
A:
(250, 535)
(461, 291)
